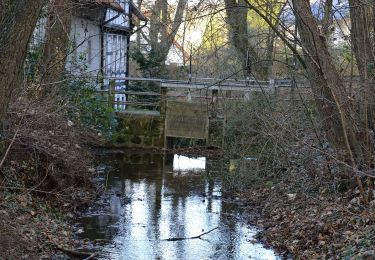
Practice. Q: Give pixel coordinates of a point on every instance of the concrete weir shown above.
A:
(140, 130)
(150, 129)
(183, 109)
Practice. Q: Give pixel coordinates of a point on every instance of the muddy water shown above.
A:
(155, 203)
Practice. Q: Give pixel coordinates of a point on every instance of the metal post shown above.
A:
(190, 63)
(163, 100)
(190, 72)
(111, 91)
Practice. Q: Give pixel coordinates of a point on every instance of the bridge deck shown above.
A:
(208, 83)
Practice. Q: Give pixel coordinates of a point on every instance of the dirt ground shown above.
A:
(30, 228)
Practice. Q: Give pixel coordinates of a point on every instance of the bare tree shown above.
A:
(237, 18)
(162, 33)
(237, 12)
(57, 41)
(361, 38)
(335, 108)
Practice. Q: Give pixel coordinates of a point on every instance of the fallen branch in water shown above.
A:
(80, 254)
(186, 238)
(94, 255)
(102, 241)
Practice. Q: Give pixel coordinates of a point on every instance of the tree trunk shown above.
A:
(332, 100)
(17, 22)
(237, 19)
(360, 38)
(362, 44)
(271, 37)
(57, 42)
(339, 121)
(160, 24)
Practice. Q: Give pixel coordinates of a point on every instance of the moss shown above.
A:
(136, 139)
(139, 131)
(154, 124)
(159, 142)
(147, 140)
(215, 133)
(156, 131)
(120, 139)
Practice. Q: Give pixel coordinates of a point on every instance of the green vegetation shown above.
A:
(88, 106)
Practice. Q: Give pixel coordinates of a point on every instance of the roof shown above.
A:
(112, 4)
(137, 12)
(115, 5)
(105, 3)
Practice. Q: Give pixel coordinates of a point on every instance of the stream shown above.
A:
(154, 204)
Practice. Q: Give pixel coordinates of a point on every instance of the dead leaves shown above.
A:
(313, 226)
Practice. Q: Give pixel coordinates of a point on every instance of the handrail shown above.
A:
(204, 82)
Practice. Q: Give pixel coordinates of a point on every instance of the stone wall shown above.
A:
(215, 133)
(140, 131)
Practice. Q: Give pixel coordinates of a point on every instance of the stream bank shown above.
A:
(303, 217)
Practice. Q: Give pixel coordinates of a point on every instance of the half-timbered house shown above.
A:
(100, 35)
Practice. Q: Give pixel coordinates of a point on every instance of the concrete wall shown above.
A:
(140, 131)
(216, 132)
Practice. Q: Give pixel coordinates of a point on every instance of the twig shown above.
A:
(34, 190)
(187, 238)
(8, 149)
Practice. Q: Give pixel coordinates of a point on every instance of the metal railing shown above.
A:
(148, 94)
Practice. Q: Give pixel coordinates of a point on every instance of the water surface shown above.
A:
(153, 199)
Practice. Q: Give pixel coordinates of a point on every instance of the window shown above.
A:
(115, 55)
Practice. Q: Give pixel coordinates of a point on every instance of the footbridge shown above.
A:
(152, 110)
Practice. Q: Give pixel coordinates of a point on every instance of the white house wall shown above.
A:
(86, 38)
(122, 19)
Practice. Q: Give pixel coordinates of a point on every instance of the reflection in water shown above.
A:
(150, 205)
(184, 164)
